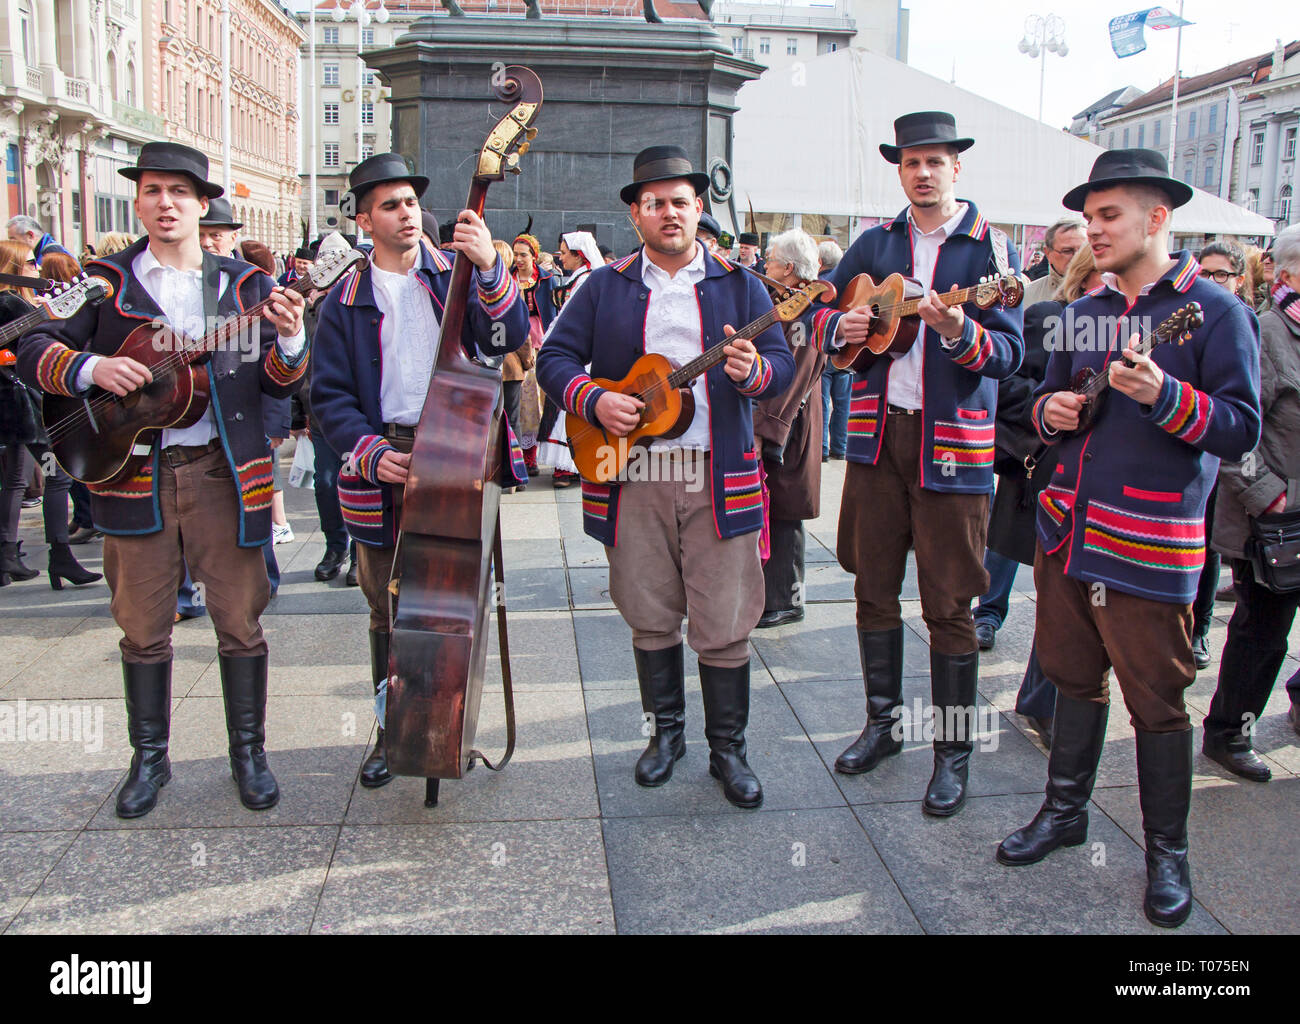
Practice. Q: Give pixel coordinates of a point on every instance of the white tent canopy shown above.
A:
(806, 142)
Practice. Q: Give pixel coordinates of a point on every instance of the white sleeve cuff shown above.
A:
(86, 375)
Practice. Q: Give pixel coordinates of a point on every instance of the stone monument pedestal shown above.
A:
(612, 86)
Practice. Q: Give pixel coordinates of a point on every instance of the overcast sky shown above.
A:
(981, 38)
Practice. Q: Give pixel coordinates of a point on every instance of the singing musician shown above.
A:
(204, 498)
(375, 347)
(920, 452)
(681, 537)
(1121, 526)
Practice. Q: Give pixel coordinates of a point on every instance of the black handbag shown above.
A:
(1273, 548)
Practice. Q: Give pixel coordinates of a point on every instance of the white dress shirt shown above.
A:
(179, 294)
(673, 329)
(906, 383)
(408, 340)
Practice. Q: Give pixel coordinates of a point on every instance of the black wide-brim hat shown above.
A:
(1129, 166)
(924, 128)
(173, 158)
(662, 163)
(378, 169)
(710, 224)
(219, 215)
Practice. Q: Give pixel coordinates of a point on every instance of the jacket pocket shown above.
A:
(972, 414)
(864, 411)
(964, 445)
(1056, 501)
(362, 505)
(1166, 496)
(743, 491)
(1156, 543)
(595, 500)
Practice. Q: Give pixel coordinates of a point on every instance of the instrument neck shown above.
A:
(218, 338)
(11, 331)
(1101, 381)
(681, 377)
(453, 315)
(909, 307)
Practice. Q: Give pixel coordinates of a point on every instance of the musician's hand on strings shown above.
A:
(1143, 381)
(393, 467)
(619, 414)
(947, 321)
(740, 356)
(120, 374)
(285, 311)
(855, 325)
(474, 239)
(1062, 410)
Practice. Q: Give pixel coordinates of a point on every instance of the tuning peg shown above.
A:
(531, 133)
(523, 148)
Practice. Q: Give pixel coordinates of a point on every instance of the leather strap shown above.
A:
(503, 640)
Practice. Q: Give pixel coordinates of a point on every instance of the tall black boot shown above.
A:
(243, 682)
(882, 674)
(726, 713)
(148, 690)
(662, 678)
(953, 678)
(1078, 733)
(1164, 762)
(11, 562)
(374, 770)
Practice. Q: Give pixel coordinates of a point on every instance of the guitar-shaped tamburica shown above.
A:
(895, 323)
(102, 438)
(1094, 385)
(666, 392)
(59, 304)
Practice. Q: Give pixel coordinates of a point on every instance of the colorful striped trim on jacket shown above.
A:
(1183, 411)
(824, 322)
(975, 353)
(1040, 424)
(760, 376)
(255, 483)
(1152, 542)
(497, 293)
(581, 396)
(57, 369)
(367, 453)
(742, 491)
(138, 486)
(285, 371)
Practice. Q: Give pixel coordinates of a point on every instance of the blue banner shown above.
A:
(1126, 37)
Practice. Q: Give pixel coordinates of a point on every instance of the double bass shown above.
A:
(449, 534)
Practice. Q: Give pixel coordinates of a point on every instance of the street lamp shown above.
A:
(358, 12)
(1043, 35)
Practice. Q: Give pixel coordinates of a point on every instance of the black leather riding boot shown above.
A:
(953, 678)
(374, 770)
(1078, 733)
(243, 683)
(662, 678)
(148, 691)
(882, 673)
(1164, 763)
(726, 713)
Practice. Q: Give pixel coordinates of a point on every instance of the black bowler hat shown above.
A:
(308, 252)
(173, 158)
(749, 238)
(1129, 166)
(662, 163)
(710, 225)
(376, 170)
(219, 215)
(925, 128)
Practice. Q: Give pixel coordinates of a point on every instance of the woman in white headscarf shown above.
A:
(579, 256)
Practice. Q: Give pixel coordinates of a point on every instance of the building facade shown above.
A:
(1237, 129)
(783, 36)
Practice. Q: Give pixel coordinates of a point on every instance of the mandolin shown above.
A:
(1094, 385)
(669, 402)
(59, 304)
(895, 323)
(102, 438)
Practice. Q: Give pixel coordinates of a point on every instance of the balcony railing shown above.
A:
(35, 80)
(77, 89)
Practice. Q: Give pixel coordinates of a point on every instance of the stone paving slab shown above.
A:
(25, 859)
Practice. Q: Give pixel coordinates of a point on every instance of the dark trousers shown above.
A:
(80, 495)
(1083, 631)
(783, 571)
(1253, 654)
(884, 513)
(837, 387)
(1037, 695)
(16, 465)
(1208, 584)
(996, 602)
(326, 483)
(510, 393)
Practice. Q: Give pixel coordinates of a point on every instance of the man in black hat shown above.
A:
(708, 232)
(1121, 527)
(375, 348)
(920, 450)
(680, 529)
(218, 229)
(749, 242)
(206, 488)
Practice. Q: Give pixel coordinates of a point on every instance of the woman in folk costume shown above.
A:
(579, 255)
(535, 285)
